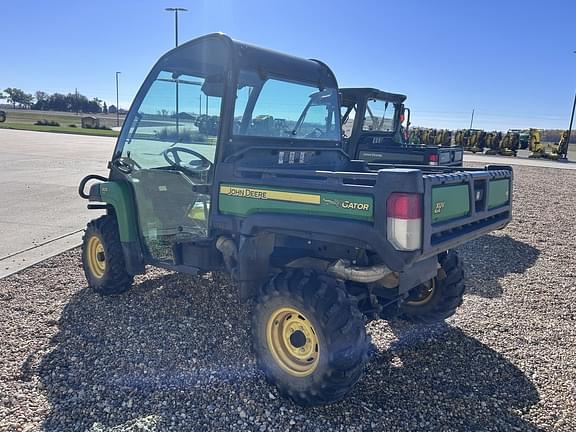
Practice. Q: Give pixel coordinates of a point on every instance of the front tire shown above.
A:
(440, 297)
(309, 337)
(103, 258)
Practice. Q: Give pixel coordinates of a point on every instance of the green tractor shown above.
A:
(319, 243)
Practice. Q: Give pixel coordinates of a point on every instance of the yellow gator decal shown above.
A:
(243, 200)
(265, 194)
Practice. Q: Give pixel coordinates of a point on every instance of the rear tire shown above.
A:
(444, 296)
(312, 313)
(103, 258)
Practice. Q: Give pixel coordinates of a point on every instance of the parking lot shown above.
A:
(41, 213)
(173, 353)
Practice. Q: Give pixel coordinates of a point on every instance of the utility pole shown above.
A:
(77, 104)
(472, 119)
(176, 10)
(564, 155)
(117, 107)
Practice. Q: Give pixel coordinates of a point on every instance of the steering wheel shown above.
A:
(204, 164)
(316, 133)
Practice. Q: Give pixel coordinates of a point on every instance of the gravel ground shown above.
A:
(173, 354)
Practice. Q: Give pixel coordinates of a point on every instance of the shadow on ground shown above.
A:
(174, 353)
(490, 258)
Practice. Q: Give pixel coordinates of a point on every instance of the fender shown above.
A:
(120, 197)
(355, 234)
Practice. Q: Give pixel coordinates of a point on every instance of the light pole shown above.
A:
(176, 10)
(565, 153)
(117, 107)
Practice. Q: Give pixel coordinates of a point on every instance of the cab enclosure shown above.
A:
(373, 130)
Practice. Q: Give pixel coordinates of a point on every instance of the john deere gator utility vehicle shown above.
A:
(372, 127)
(320, 243)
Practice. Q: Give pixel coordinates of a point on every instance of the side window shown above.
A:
(379, 116)
(176, 111)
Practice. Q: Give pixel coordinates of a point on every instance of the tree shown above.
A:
(105, 108)
(42, 101)
(92, 106)
(28, 100)
(17, 96)
(58, 102)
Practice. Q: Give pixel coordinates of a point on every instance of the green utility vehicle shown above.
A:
(372, 131)
(318, 242)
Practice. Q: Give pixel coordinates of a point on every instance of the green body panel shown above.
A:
(243, 200)
(450, 202)
(119, 195)
(498, 193)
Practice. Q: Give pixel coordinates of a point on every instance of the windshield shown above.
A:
(379, 116)
(175, 111)
(270, 107)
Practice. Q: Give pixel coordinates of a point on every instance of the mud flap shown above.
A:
(253, 262)
(417, 273)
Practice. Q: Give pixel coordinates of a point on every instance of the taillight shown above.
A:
(404, 221)
(433, 159)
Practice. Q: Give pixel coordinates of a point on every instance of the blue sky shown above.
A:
(510, 60)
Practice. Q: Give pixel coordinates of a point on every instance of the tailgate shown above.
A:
(450, 156)
(464, 205)
(400, 155)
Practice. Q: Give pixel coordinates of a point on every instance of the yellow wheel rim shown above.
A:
(96, 257)
(293, 341)
(424, 293)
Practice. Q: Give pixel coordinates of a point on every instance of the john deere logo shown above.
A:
(348, 204)
(439, 207)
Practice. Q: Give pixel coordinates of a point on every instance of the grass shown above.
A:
(25, 119)
(58, 129)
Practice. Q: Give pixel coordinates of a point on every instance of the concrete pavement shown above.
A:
(40, 211)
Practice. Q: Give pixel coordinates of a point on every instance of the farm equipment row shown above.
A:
(491, 143)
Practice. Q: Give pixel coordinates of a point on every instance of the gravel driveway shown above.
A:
(173, 354)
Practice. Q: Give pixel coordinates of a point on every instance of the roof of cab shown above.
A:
(264, 60)
(351, 94)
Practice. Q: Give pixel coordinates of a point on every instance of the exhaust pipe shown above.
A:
(229, 252)
(345, 270)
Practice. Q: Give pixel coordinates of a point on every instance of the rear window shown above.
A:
(271, 107)
(379, 116)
